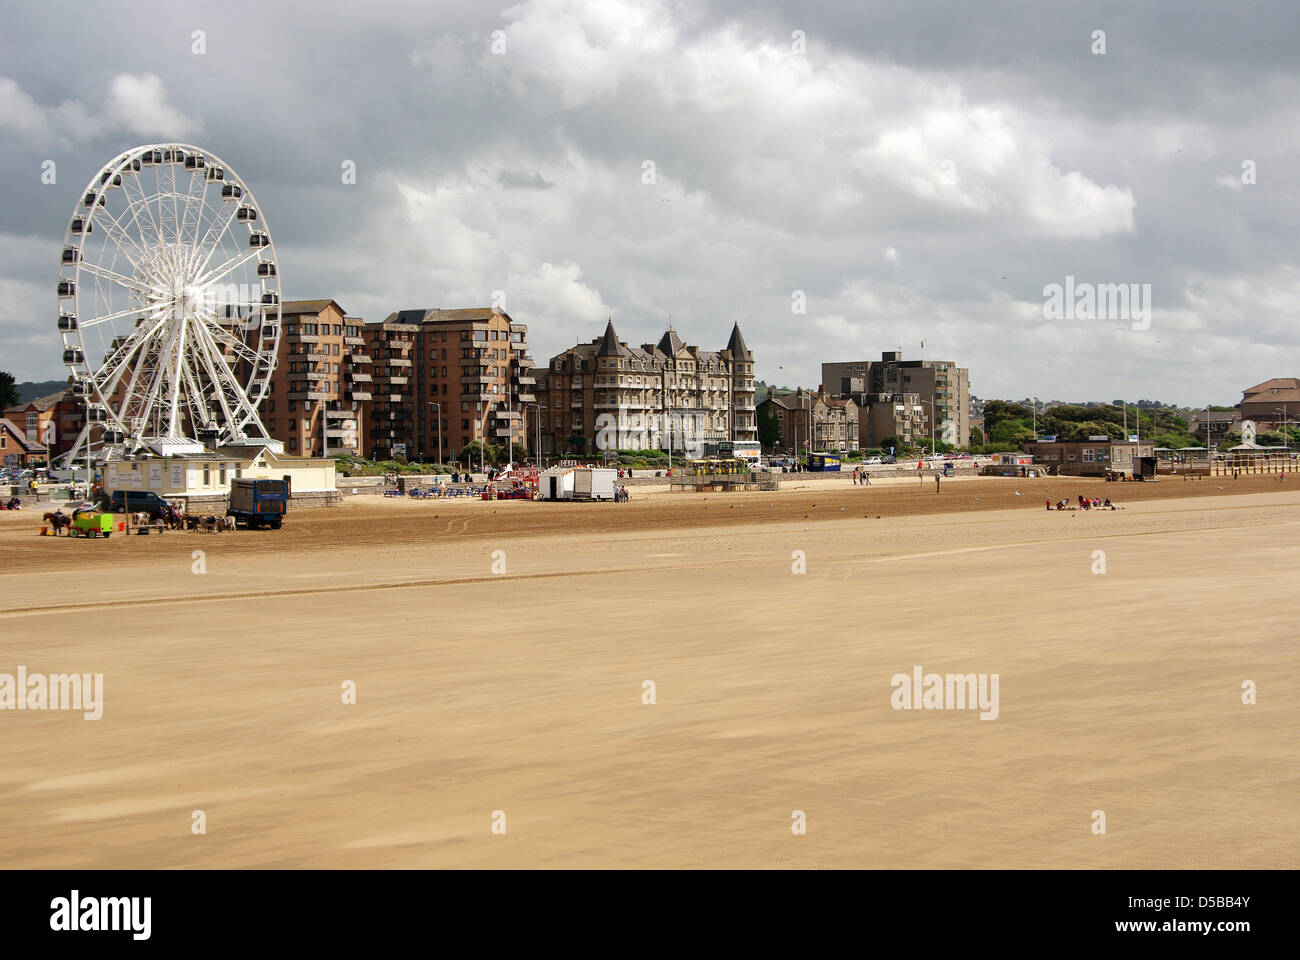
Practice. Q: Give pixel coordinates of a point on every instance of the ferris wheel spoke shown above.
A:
(215, 274)
(114, 367)
(131, 283)
(124, 242)
(132, 398)
(219, 373)
(160, 371)
(190, 226)
(207, 214)
(231, 343)
(196, 397)
(140, 203)
(218, 229)
(110, 317)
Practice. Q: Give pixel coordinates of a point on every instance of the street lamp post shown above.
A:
(439, 408)
(933, 414)
(90, 470)
(524, 405)
(1286, 440)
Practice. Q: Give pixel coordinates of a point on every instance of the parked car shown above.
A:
(138, 501)
(889, 459)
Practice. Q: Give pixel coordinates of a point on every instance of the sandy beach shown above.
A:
(499, 653)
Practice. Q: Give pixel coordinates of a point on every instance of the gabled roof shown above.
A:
(296, 307)
(1278, 389)
(737, 345)
(439, 315)
(40, 403)
(20, 436)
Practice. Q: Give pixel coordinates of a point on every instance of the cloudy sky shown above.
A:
(919, 171)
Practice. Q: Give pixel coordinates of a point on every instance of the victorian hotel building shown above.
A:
(608, 395)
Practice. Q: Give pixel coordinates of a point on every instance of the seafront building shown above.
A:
(606, 395)
(939, 387)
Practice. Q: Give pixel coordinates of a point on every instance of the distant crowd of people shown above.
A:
(1085, 503)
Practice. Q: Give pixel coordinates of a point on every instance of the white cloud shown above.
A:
(135, 104)
(139, 104)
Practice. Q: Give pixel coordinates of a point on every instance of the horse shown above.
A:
(58, 521)
(173, 519)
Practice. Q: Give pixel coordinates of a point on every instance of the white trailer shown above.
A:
(577, 483)
(594, 483)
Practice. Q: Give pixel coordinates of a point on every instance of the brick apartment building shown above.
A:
(472, 363)
(1271, 402)
(608, 395)
(816, 421)
(939, 387)
(56, 417)
(320, 385)
(15, 449)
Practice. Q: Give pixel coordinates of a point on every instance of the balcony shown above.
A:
(361, 358)
(354, 341)
(399, 361)
(398, 381)
(302, 337)
(478, 378)
(308, 395)
(357, 377)
(358, 394)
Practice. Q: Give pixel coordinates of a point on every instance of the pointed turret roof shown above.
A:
(670, 343)
(737, 345)
(609, 345)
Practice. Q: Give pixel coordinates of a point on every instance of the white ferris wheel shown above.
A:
(168, 304)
